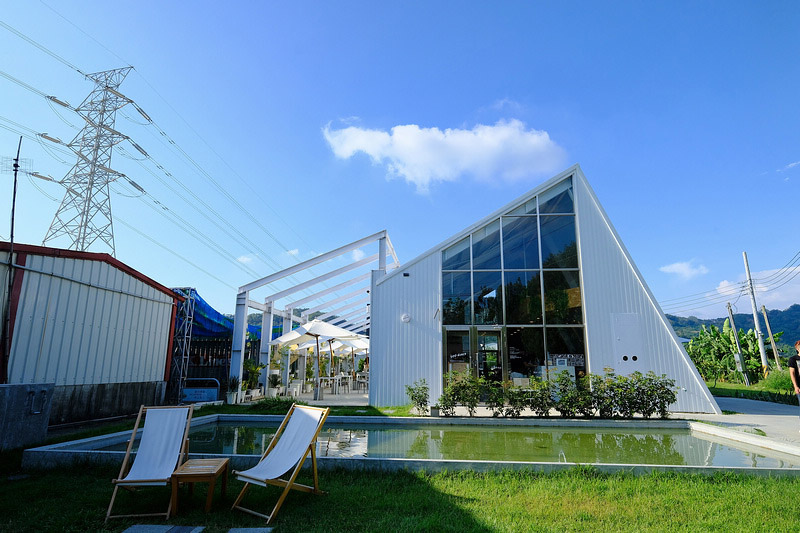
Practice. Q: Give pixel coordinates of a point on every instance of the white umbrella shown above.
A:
(313, 331)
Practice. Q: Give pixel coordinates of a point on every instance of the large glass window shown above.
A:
(488, 297)
(520, 243)
(486, 247)
(523, 297)
(457, 256)
(559, 247)
(558, 199)
(456, 294)
(514, 284)
(562, 297)
(457, 351)
(525, 355)
(565, 347)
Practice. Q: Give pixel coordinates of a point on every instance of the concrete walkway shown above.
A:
(778, 421)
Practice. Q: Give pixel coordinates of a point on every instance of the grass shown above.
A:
(756, 391)
(578, 500)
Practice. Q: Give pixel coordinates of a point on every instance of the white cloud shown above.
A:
(294, 252)
(505, 152)
(244, 259)
(685, 270)
(789, 166)
(358, 255)
(777, 289)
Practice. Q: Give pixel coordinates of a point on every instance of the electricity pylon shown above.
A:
(85, 212)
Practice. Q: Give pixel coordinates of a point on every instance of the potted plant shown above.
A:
(253, 370)
(274, 383)
(233, 390)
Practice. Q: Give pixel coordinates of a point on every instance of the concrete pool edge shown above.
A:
(85, 451)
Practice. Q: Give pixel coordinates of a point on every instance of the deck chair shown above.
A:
(295, 438)
(162, 449)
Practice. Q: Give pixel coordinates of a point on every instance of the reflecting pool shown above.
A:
(500, 443)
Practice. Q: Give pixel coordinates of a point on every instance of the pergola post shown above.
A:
(239, 335)
(266, 336)
(287, 327)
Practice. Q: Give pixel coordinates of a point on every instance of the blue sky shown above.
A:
(329, 121)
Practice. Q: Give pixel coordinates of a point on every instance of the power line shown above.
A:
(42, 48)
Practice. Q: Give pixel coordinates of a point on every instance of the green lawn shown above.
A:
(579, 500)
(756, 391)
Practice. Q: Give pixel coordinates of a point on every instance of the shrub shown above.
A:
(665, 393)
(565, 394)
(779, 381)
(540, 400)
(495, 398)
(447, 403)
(517, 401)
(624, 396)
(602, 394)
(418, 394)
(467, 390)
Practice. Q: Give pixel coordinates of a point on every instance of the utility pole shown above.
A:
(771, 339)
(759, 335)
(7, 314)
(740, 366)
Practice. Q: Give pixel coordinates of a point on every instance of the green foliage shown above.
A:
(253, 372)
(495, 398)
(712, 352)
(565, 395)
(418, 394)
(309, 368)
(517, 401)
(361, 363)
(778, 381)
(540, 398)
(602, 393)
(233, 384)
(274, 380)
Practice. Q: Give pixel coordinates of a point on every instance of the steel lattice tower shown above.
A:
(85, 212)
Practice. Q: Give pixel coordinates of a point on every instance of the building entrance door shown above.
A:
(488, 355)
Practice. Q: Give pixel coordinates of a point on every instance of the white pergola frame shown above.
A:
(356, 320)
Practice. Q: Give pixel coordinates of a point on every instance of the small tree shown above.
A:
(541, 396)
(418, 394)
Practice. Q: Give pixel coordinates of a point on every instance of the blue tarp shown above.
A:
(210, 323)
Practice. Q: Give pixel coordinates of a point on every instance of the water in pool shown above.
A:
(495, 443)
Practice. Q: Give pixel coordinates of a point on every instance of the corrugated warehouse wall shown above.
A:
(623, 319)
(99, 332)
(403, 352)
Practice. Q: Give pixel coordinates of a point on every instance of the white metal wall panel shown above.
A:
(612, 286)
(82, 321)
(403, 352)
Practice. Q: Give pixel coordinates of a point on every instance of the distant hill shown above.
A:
(787, 321)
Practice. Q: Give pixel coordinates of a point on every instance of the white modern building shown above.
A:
(542, 284)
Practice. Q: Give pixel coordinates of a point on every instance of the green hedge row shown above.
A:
(603, 396)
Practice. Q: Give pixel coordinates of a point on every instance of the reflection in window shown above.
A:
(486, 247)
(559, 247)
(523, 298)
(525, 354)
(520, 243)
(562, 297)
(457, 351)
(558, 199)
(566, 344)
(488, 298)
(457, 256)
(528, 208)
(456, 293)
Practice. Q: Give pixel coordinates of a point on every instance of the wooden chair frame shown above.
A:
(288, 484)
(126, 465)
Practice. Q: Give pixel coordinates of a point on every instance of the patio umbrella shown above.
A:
(312, 331)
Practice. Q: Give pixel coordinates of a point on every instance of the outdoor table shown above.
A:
(200, 471)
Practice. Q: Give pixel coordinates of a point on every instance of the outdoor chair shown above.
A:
(295, 439)
(162, 449)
